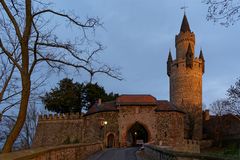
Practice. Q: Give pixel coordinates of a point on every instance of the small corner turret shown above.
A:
(169, 63)
(203, 60)
(189, 57)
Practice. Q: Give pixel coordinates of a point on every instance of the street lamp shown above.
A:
(135, 138)
(105, 123)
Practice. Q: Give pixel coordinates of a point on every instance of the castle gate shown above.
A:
(137, 134)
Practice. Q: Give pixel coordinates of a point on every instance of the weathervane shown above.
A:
(184, 8)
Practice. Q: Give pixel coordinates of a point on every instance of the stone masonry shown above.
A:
(185, 76)
(139, 118)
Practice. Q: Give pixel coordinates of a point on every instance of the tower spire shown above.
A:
(169, 56)
(201, 55)
(169, 63)
(185, 25)
(203, 60)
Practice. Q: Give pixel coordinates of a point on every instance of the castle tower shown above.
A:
(185, 75)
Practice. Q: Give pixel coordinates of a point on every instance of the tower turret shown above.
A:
(169, 63)
(189, 57)
(185, 75)
(203, 60)
(183, 39)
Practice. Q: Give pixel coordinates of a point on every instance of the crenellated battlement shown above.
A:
(61, 116)
(189, 145)
(191, 142)
(182, 37)
(180, 64)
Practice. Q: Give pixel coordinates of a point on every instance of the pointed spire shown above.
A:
(189, 50)
(203, 61)
(189, 57)
(169, 56)
(185, 26)
(201, 55)
(169, 63)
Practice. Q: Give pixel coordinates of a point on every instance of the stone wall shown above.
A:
(155, 153)
(144, 115)
(95, 131)
(64, 152)
(186, 83)
(59, 129)
(182, 41)
(206, 144)
(187, 145)
(165, 128)
(170, 128)
(170, 133)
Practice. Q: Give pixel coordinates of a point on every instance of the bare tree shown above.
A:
(29, 128)
(226, 12)
(233, 94)
(26, 135)
(219, 108)
(8, 86)
(28, 38)
(193, 121)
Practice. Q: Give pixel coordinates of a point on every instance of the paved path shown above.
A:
(115, 154)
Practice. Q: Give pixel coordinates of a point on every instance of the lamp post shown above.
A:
(102, 127)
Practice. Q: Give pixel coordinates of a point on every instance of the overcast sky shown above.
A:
(138, 34)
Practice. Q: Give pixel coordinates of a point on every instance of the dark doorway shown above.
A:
(137, 135)
(110, 141)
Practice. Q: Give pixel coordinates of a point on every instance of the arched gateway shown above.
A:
(110, 140)
(137, 134)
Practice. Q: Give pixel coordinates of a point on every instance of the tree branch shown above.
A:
(6, 84)
(13, 20)
(10, 56)
(88, 24)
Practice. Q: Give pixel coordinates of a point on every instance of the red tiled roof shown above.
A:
(166, 106)
(130, 100)
(104, 107)
(137, 99)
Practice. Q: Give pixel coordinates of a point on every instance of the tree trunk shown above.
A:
(26, 84)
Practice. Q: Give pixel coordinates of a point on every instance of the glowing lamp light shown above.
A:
(105, 122)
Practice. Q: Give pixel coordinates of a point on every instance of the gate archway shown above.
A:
(137, 134)
(110, 140)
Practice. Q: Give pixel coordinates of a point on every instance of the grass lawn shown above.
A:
(231, 151)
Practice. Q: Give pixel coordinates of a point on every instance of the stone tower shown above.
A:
(185, 75)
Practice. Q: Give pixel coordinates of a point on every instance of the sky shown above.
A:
(138, 34)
